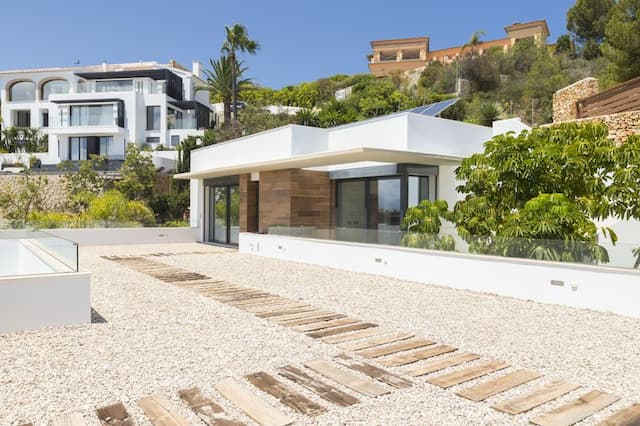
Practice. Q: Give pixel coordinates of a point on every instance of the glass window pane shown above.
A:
(153, 118)
(418, 190)
(234, 214)
(351, 204)
(114, 86)
(23, 91)
(384, 204)
(54, 87)
(220, 211)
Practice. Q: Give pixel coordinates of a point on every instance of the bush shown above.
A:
(113, 209)
(51, 220)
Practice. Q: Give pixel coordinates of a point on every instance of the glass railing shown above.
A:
(621, 255)
(30, 252)
(182, 123)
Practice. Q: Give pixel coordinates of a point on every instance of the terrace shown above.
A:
(170, 317)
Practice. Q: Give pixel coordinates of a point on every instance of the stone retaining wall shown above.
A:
(55, 196)
(565, 100)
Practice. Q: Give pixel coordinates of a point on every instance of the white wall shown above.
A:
(51, 300)
(445, 137)
(592, 287)
(388, 132)
(115, 236)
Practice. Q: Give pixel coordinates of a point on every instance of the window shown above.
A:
(114, 86)
(418, 190)
(22, 118)
(52, 87)
(83, 148)
(77, 149)
(22, 91)
(45, 118)
(92, 115)
(153, 140)
(153, 118)
(175, 140)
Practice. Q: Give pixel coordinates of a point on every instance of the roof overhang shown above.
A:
(327, 158)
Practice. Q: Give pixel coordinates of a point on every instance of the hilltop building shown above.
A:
(408, 54)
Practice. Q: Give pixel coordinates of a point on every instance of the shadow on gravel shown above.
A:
(96, 318)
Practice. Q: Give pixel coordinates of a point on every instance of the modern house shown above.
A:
(99, 109)
(408, 54)
(359, 176)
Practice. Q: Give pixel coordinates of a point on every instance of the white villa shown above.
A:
(98, 109)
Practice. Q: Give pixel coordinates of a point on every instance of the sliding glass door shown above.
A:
(223, 214)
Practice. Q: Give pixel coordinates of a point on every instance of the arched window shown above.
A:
(22, 91)
(53, 87)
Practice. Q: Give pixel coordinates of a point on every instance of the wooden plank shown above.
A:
(253, 406)
(378, 341)
(630, 416)
(161, 411)
(339, 330)
(322, 389)
(415, 356)
(482, 391)
(239, 296)
(114, 415)
(74, 419)
(404, 345)
(289, 397)
(208, 411)
(267, 300)
(267, 315)
(542, 395)
(299, 315)
(578, 410)
(345, 378)
(267, 309)
(322, 324)
(358, 335)
(467, 374)
(309, 320)
(374, 372)
(434, 366)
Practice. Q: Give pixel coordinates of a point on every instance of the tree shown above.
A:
(237, 41)
(564, 46)
(622, 43)
(28, 195)
(586, 20)
(219, 81)
(23, 139)
(86, 183)
(423, 223)
(113, 209)
(547, 184)
(138, 175)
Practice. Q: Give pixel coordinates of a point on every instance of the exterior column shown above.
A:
(248, 204)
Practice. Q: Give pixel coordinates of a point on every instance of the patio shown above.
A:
(160, 337)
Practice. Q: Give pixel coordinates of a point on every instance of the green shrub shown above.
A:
(113, 209)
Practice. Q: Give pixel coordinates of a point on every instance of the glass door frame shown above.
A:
(210, 211)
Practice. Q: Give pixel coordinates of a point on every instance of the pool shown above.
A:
(18, 259)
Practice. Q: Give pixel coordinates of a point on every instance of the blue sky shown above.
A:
(301, 40)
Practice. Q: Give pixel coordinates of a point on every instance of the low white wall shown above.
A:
(583, 286)
(50, 300)
(115, 236)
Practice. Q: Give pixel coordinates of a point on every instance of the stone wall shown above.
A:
(621, 125)
(55, 196)
(565, 100)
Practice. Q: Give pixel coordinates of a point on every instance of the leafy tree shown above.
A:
(481, 72)
(237, 41)
(255, 120)
(23, 139)
(586, 20)
(113, 209)
(423, 223)
(219, 81)
(547, 184)
(86, 183)
(138, 175)
(28, 195)
(543, 80)
(564, 46)
(622, 45)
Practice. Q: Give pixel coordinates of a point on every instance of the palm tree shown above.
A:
(237, 41)
(219, 82)
(473, 42)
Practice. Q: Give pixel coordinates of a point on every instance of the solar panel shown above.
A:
(434, 110)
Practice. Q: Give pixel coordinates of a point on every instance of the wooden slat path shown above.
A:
(345, 378)
(262, 301)
(161, 411)
(467, 374)
(578, 410)
(74, 419)
(322, 389)
(418, 355)
(270, 309)
(301, 315)
(374, 372)
(208, 411)
(309, 320)
(378, 341)
(359, 335)
(114, 415)
(406, 345)
(339, 330)
(253, 406)
(531, 400)
(629, 416)
(277, 313)
(321, 324)
(289, 397)
(482, 391)
(434, 366)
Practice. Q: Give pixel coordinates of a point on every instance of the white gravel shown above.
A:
(158, 337)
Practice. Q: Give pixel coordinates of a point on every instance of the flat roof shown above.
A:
(410, 40)
(326, 158)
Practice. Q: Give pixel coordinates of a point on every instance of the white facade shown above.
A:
(100, 109)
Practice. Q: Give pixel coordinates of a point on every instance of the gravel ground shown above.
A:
(157, 337)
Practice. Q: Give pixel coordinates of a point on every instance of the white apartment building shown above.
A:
(98, 109)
